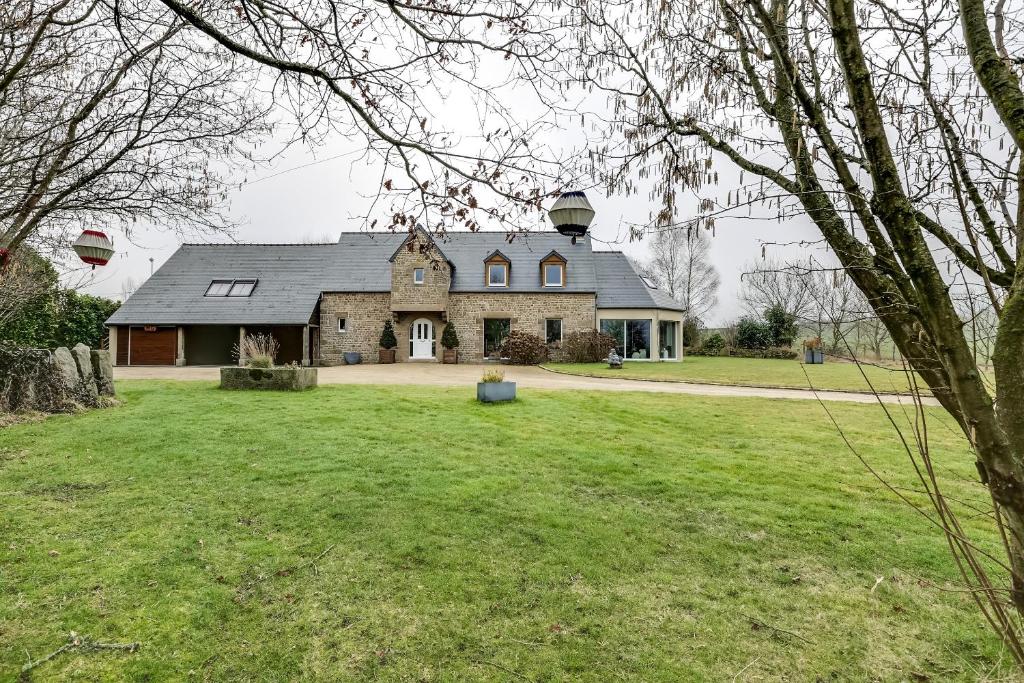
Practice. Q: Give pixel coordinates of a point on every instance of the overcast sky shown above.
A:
(315, 194)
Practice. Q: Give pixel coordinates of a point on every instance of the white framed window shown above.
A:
(553, 330)
(497, 275)
(342, 325)
(418, 276)
(554, 275)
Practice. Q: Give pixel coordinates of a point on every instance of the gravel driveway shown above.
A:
(435, 374)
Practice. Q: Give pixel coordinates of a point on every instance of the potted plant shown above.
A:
(813, 353)
(450, 342)
(493, 388)
(388, 343)
(256, 353)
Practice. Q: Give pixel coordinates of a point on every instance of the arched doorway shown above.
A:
(421, 339)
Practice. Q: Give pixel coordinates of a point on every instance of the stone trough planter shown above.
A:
(274, 379)
(495, 392)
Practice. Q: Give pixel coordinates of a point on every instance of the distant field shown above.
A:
(357, 533)
(833, 375)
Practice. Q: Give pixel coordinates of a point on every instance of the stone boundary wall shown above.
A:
(59, 381)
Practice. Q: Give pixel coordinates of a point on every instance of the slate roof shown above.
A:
(292, 276)
(619, 286)
(467, 251)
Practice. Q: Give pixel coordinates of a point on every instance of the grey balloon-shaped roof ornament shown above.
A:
(572, 214)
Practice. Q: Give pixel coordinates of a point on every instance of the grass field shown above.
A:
(834, 375)
(409, 533)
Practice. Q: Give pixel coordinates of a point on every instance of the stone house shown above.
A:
(323, 300)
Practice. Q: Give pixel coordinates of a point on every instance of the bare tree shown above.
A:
(899, 132)
(110, 112)
(680, 263)
(769, 283)
(835, 306)
(128, 287)
(25, 280)
(384, 73)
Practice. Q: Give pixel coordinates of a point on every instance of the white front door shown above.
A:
(422, 336)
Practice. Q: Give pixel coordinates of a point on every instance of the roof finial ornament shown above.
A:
(572, 214)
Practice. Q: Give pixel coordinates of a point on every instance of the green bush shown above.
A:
(588, 346)
(450, 338)
(47, 316)
(80, 318)
(712, 345)
(782, 326)
(753, 334)
(387, 337)
(775, 352)
(523, 348)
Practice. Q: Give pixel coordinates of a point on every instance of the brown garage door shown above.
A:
(152, 346)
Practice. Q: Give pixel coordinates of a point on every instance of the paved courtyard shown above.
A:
(465, 374)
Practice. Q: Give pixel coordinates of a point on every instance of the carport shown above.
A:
(196, 308)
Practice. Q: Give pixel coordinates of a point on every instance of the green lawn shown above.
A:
(568, 535)
(753, 372)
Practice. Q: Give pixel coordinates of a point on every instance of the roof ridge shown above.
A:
(259, 244)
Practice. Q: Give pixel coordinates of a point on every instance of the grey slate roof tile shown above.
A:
(292, 276)
(619, 286)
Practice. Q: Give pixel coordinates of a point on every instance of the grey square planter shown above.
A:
(494, 392)
(278, 379)
(814, 356)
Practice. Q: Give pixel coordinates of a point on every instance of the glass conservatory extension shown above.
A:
(634, 339)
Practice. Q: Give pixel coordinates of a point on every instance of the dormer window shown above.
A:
(554, 275)
(417, 276)
(497, 269)
(497, 275)
(552, 270)
(231, 288)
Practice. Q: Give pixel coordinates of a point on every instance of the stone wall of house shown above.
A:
(403, 330)
(432, 295)
(527, 311)
(364, 315)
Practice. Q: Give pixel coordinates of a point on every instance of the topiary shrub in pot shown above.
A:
(388, 343)
(450, 342)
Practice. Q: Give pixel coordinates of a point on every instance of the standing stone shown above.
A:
(103, 369)
(68, 368)
(83, 362)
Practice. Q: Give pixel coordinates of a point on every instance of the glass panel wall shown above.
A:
(617, 330)
(638, 339)
(633, 337)
(667, 339)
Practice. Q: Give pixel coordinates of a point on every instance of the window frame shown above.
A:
(625, 336)
(561, 273)
(561, 331)
(342, 325)
(504, 269)
(230, 285)
(245, 281)
(421, 272)
(227, 283)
